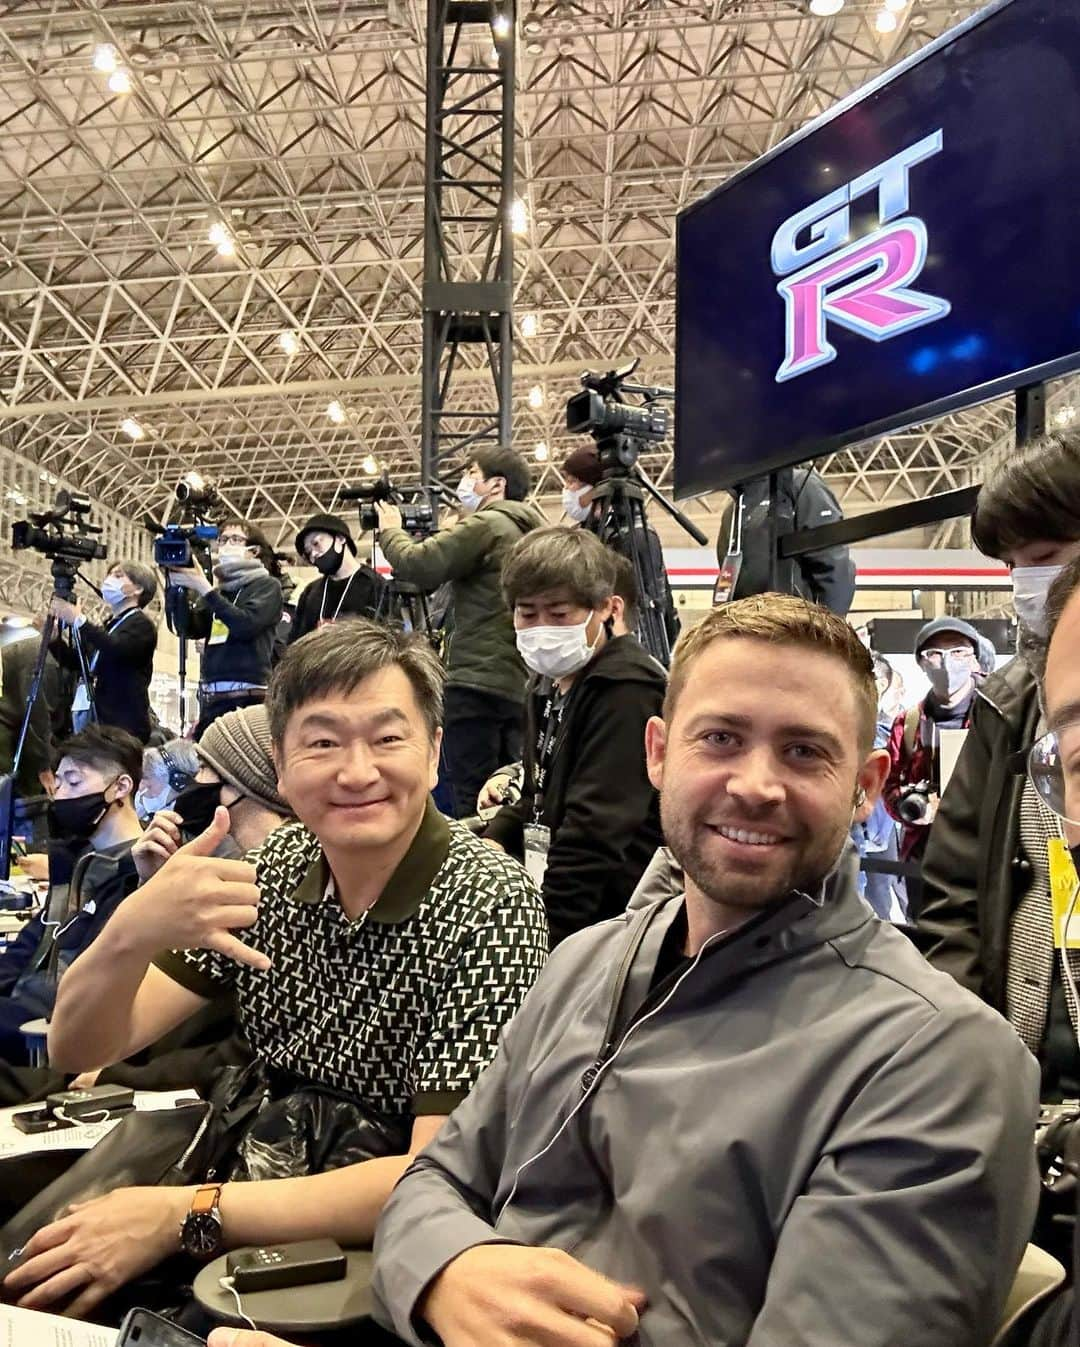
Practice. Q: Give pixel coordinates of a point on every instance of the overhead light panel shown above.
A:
(1065, 416)
(519, 217)
(131, 427)
(536, 397)
(540, 453)
(530, 325)
(120, 82)
(222, 240)
(886, 21)
(336, 412)
(370, 466)
(106, 58)
(289, 341)
(824, 9)
(501, 26)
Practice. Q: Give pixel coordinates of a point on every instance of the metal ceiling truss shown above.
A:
(298, 128)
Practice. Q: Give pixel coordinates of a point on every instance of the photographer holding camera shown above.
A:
(485, 691)
(120, 652)
(346, 587)
(237, 619)
(948, 653)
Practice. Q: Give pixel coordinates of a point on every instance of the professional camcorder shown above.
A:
(187, 543)
(618, 427)
(64, 536)
(417, 514)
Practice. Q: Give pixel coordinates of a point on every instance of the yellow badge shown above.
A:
(218, 632)
(1063, 885)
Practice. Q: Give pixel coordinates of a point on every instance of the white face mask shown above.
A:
(556, 652)
(112, 591)
(467, 494)
(1030, 587)
(572, 506)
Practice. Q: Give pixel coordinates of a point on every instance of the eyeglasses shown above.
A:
(1058, 785)
(233, 539)
(936, 658)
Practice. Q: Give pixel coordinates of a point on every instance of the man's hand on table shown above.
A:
(524, 1297)
(98, 1247)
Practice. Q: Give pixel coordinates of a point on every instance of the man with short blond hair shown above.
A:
(719, 1118)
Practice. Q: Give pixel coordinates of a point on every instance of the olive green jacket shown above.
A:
(481, 652)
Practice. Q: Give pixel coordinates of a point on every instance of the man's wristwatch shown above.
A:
(201, 1233)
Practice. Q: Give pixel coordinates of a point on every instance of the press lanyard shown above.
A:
(326, 587)
(554, 709)
(110, 629)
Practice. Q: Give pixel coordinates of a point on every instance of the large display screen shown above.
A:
(913, 251)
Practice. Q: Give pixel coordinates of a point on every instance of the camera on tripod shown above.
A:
(417, 514)
(178, 546)
(618, 427)
(64, 536)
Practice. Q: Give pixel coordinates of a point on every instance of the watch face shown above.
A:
(202, 1234)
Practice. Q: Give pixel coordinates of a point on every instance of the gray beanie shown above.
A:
(237, 747)
(940, 624)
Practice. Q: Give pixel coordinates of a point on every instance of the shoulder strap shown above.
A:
(911, 729)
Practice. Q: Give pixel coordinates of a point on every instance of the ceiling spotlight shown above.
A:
(217, 232)
(1065, 415)
(501, 26)
(519, 217)
(289, 341)
(106, 58)
(530, 325)
(226, 248)
(131, 427)
(886, 21)
(895, 6)
(120, 82)
(370, 466)
(824, 9)
(536, 397)
(540, 453)
(533, 24)
(336, 412)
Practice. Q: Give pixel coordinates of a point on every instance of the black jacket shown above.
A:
(121, 656)
(359, 596)
(973, 871)
(598, 802)
(826, 577)
(251, 617)
(47, 720)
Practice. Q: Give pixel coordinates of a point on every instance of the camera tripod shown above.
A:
(406, 606)
(63, 574)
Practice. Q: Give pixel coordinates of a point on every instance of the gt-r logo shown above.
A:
(863, 284)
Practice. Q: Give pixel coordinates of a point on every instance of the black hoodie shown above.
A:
(598, 802)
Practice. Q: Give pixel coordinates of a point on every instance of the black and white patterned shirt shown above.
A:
(403, 1006)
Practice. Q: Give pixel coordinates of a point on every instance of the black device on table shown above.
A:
(279, 1266)
(141, 1328)
(65, 1108)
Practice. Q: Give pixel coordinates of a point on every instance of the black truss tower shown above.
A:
(468, 241)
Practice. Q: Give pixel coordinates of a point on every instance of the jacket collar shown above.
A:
(406, 888)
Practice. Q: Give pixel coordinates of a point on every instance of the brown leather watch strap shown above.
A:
(206, 1198)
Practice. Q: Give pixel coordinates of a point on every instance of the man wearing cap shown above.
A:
(236, 769)
(948, 653)
(346, 587)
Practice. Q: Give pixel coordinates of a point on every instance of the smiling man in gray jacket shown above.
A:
(749, 1114)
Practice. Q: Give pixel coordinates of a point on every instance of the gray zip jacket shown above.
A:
(807, 1137)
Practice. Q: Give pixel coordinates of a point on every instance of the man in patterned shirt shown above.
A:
(374, 947)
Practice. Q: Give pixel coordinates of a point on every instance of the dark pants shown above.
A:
(482, 732)
(219, 706)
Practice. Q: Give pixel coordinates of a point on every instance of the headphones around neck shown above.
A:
(178, 778)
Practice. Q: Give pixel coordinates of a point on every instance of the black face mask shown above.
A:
(196, 806)
(76, 819)
(1075, 853)
(329, 561)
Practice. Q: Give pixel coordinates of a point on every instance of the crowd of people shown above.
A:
(622, 1051)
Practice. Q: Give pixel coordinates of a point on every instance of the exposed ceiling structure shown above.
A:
(291, 131)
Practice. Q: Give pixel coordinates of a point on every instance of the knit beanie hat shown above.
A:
(237, 747)
(584, 465)
(325, 523)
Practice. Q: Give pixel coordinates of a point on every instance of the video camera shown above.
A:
(618, 427)
(178, 546)
(417, 514)
(62, 535)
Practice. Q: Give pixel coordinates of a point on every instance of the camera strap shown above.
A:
(554, 709)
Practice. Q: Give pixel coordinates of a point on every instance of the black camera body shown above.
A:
(913, 802)
(417, 515)
(178, 545)
(62, 535)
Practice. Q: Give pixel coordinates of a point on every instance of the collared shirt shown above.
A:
(401, 1007)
